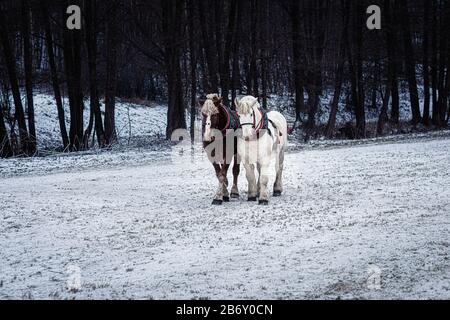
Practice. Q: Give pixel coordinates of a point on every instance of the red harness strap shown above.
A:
(261, 123)
(227, 126)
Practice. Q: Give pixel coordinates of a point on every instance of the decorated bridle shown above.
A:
(220, 105)
(253, 124)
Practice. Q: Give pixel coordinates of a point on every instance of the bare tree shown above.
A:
(410, 63)
(91, 45)
(111, 72)
(12, 74)
(339, 74)
(193, 62)
(72, 63)
(54, 74)
(171, 29)
(28, 63)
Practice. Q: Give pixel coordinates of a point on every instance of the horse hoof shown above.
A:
(277, 193)
(252, 199)
(235, 195)
(226, 199)
(217, 202)
(263, 202)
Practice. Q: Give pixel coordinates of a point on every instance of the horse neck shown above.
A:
(258, 116)
(223, 118)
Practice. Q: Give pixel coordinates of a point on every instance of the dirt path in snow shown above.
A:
(356, 222)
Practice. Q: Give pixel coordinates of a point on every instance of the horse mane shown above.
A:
(245, 105)
(209, 107)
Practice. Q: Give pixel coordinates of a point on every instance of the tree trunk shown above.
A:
(91, 44)
(193, 64)
(12, 74)
(426, 71)
(434, 63)
(72, 62)
(5, 145)
(210, 61)
(356, 70)
(410, 64)
(54, 74)
(383, 117)
(444, 52)
(254, 48)
(360, 110)
(317, 31)
(236, 73)
(329, 131)
(391, 85)
(28, 63)
(171, 26)
(111, 74)
(225, 74)
(298, 67)
(391, 41)
(265, 51)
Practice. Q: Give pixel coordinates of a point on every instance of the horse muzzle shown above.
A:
(209, 139)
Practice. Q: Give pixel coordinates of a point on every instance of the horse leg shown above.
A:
(250, 174)
(258, 167)
(236, 169)
(278, 186)
(264, 180)
(224, 172)
(218, 198)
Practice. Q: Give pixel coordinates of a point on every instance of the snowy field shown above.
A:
(370, 221)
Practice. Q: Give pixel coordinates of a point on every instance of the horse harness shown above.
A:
(262, 125)
(232, 120)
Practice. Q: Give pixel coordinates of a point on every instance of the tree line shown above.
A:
(177, 50)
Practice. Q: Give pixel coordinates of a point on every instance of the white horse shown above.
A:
(258, 146)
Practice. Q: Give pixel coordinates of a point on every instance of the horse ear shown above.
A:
(217, 99)
(200, 103)
(254, 102)
(236, 102)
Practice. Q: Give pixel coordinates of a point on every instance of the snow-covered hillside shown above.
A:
(285, 103)
(143, 125)
(367, 221)
(132, 120)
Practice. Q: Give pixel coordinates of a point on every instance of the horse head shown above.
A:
(211, 113)
(247, 109)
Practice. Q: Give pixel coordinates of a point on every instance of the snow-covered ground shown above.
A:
(370, 221)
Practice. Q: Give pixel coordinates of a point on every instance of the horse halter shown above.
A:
(221, 108)
(253, 124)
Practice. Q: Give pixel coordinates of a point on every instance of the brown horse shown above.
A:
(217, 119)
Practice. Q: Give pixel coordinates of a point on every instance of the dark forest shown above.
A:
(176, 51)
